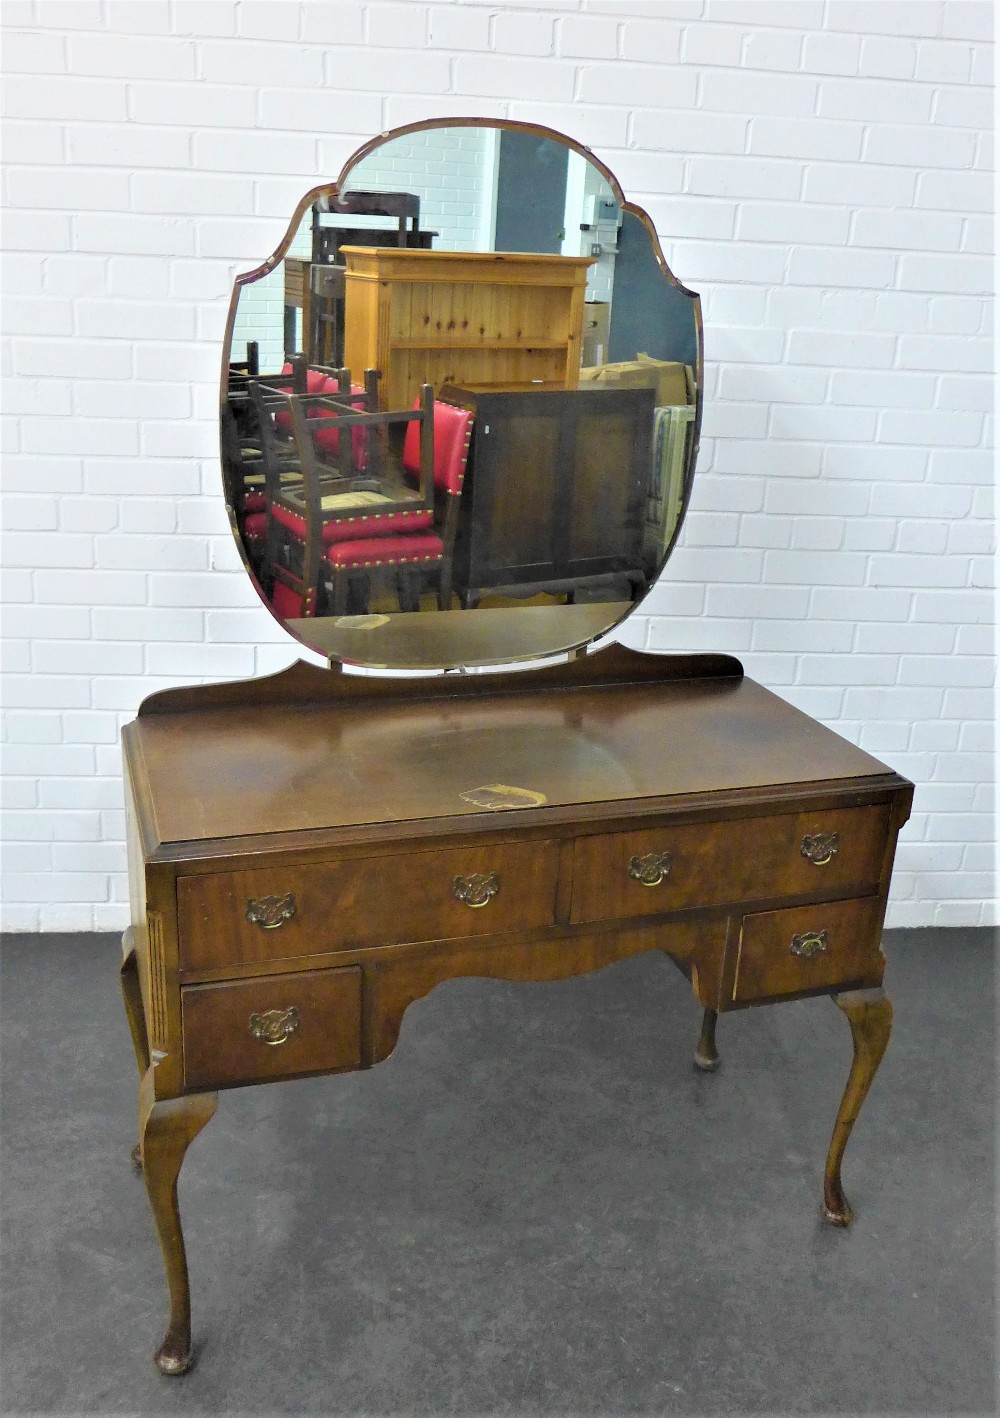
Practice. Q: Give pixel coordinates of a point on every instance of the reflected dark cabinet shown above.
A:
(555, 493)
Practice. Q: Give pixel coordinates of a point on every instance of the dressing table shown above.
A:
(311, 852)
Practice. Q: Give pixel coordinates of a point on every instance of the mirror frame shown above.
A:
(332, 189)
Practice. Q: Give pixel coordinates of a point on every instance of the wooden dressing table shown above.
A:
(311, 853)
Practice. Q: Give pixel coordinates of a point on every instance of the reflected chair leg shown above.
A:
(339, 591)
(706, 1056)
(444, 586)
(409, 591)
(869, 1013)
(132, 995)
(168, 1128)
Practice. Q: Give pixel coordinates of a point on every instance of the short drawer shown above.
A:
(279, 912)
(718, 863)
(276, 1026)
(809, 948)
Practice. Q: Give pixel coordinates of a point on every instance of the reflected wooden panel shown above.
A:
(450, 638)
(556, 493)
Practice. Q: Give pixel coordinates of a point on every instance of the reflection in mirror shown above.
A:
(460, 415)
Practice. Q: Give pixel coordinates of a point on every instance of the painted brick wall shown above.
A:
(820, 169)
(454, 169)
(261, 311)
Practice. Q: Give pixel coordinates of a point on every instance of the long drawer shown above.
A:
(281, 912)
(808, 948)
(276, 1026)
(717, 863)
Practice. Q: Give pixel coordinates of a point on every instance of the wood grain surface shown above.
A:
(767, 967)
(220, 1049)
(375, 759)
(365, 901)
(715, 863)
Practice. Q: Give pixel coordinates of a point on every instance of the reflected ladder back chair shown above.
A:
(404, 206)
(240, 439)
(241, 371)
(452, 438)
(242, 470)
(328, 275)
(241, 456)
(279, 456)
(342, 525)
(281, 462)
(435, 457)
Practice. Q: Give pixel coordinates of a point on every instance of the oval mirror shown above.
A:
(461, 403)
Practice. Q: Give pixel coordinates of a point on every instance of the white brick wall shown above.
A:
(820, 169)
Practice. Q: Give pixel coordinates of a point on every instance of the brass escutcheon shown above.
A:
(477, 889)
(270, 912)
(651, 869)
(809, 943)
(820, 848)
(275, 1026)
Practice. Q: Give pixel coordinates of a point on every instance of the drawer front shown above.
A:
(276, 1026)
(277, 912)
(808, 948)
(717, 863)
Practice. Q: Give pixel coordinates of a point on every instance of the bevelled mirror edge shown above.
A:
(471, 652)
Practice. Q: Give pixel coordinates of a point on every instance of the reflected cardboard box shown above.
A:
(596, 328)
(672, 382)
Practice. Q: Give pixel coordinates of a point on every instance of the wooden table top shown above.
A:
(436, 639)
(267, 768)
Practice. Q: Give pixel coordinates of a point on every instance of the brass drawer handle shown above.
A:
(270, 912)
(476, 890)
(810, 943)
(651, 869)
(820, 848)
(275, 1026)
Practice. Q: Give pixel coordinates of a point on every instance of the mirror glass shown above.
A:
(460, 405)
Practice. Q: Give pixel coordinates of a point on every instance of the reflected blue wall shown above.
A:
(648, 314)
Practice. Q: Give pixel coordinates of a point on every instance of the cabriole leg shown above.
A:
(132, 995)
(167, 1128)
(869, 1013)
(706, 1055)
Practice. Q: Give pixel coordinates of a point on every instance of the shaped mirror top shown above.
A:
(460, 404)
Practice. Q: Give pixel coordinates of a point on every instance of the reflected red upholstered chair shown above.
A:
(339, 540)
(242, 464)
(280, 500)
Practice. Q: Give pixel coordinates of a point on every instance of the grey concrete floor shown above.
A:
(535, 1206)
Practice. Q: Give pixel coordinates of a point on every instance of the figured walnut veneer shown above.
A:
(317, 1028)
(363, 901)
